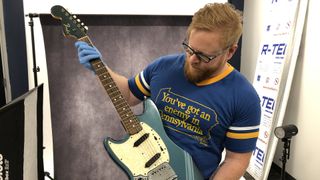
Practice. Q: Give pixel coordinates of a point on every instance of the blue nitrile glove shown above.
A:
(86, 53)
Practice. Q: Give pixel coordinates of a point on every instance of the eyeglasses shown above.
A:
(200, 55)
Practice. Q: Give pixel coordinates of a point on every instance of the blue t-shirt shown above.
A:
(204, 118)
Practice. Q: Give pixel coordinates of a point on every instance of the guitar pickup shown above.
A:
(141, 140)
(152, 160)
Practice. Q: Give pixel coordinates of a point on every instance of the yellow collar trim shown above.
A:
(217, 78)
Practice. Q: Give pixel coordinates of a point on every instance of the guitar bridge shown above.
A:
(161, 172)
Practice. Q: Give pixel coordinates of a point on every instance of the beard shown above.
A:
(196, 75)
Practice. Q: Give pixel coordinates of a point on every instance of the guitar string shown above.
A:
(150, 150)
(160, 160)
(149, 141)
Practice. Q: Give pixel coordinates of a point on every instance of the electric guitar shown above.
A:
(146, 153)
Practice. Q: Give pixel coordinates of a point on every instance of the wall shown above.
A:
(302, 104)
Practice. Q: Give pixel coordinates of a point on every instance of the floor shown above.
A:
(274, 174)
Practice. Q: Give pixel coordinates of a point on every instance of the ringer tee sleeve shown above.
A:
(140, 84)
(242, 135)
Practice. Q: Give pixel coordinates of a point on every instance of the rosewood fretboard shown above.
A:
(128, 119)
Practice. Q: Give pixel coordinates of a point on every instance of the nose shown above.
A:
(194, 58)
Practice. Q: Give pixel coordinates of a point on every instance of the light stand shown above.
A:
(35, 67)
(285, 133)
(285, 156)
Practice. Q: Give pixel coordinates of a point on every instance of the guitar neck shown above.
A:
(128, 119)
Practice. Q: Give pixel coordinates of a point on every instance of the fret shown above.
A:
(111, 86)
(126, 114)
(114, 93)
(120, 109)
(121, 104)
(125, 117)
(100, 67)
(105, 76)
(128, 119)
(106, 81)
(130, 122)
(115, 99)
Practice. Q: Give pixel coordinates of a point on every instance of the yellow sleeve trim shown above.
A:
(242, 135)
(141, 88)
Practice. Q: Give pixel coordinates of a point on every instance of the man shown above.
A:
(205, 104)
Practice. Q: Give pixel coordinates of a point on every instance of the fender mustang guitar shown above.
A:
(146, 153)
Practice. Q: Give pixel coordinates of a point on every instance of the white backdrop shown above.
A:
(128, 7)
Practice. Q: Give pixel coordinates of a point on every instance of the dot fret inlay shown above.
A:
(129, 121)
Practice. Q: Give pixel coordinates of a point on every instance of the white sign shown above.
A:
(274, 71)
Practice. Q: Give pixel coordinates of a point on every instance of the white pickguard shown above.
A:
(135, 158)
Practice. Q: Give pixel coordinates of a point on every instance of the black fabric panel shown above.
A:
(236, 59)
(16, 46)
(82, 114)
(12, 136)
(12, 140)
(2, 93)
(123, 20)
(40, 131)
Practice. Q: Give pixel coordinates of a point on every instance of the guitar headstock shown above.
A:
(72, 26)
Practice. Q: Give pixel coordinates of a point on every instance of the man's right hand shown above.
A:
(86, 53)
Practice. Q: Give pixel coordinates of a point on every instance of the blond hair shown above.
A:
(219, 17)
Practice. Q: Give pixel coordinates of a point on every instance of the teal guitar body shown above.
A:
(146, 153)
(173, 163)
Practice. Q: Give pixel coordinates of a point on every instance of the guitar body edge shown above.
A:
(180, 161)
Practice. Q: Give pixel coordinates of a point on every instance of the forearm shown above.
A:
(122, 83)
(232, 168)
(229, 171)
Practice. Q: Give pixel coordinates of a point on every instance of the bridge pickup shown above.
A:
(152, 160)
(141, 140)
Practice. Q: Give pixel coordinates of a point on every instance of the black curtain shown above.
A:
(2, 94)
(14, 26)
(236, 59)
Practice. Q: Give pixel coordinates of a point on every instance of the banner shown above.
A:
(278, 52)
(21, 138)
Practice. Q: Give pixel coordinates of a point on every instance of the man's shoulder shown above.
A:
(242, 85)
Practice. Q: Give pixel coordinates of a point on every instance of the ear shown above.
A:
(232, 49)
